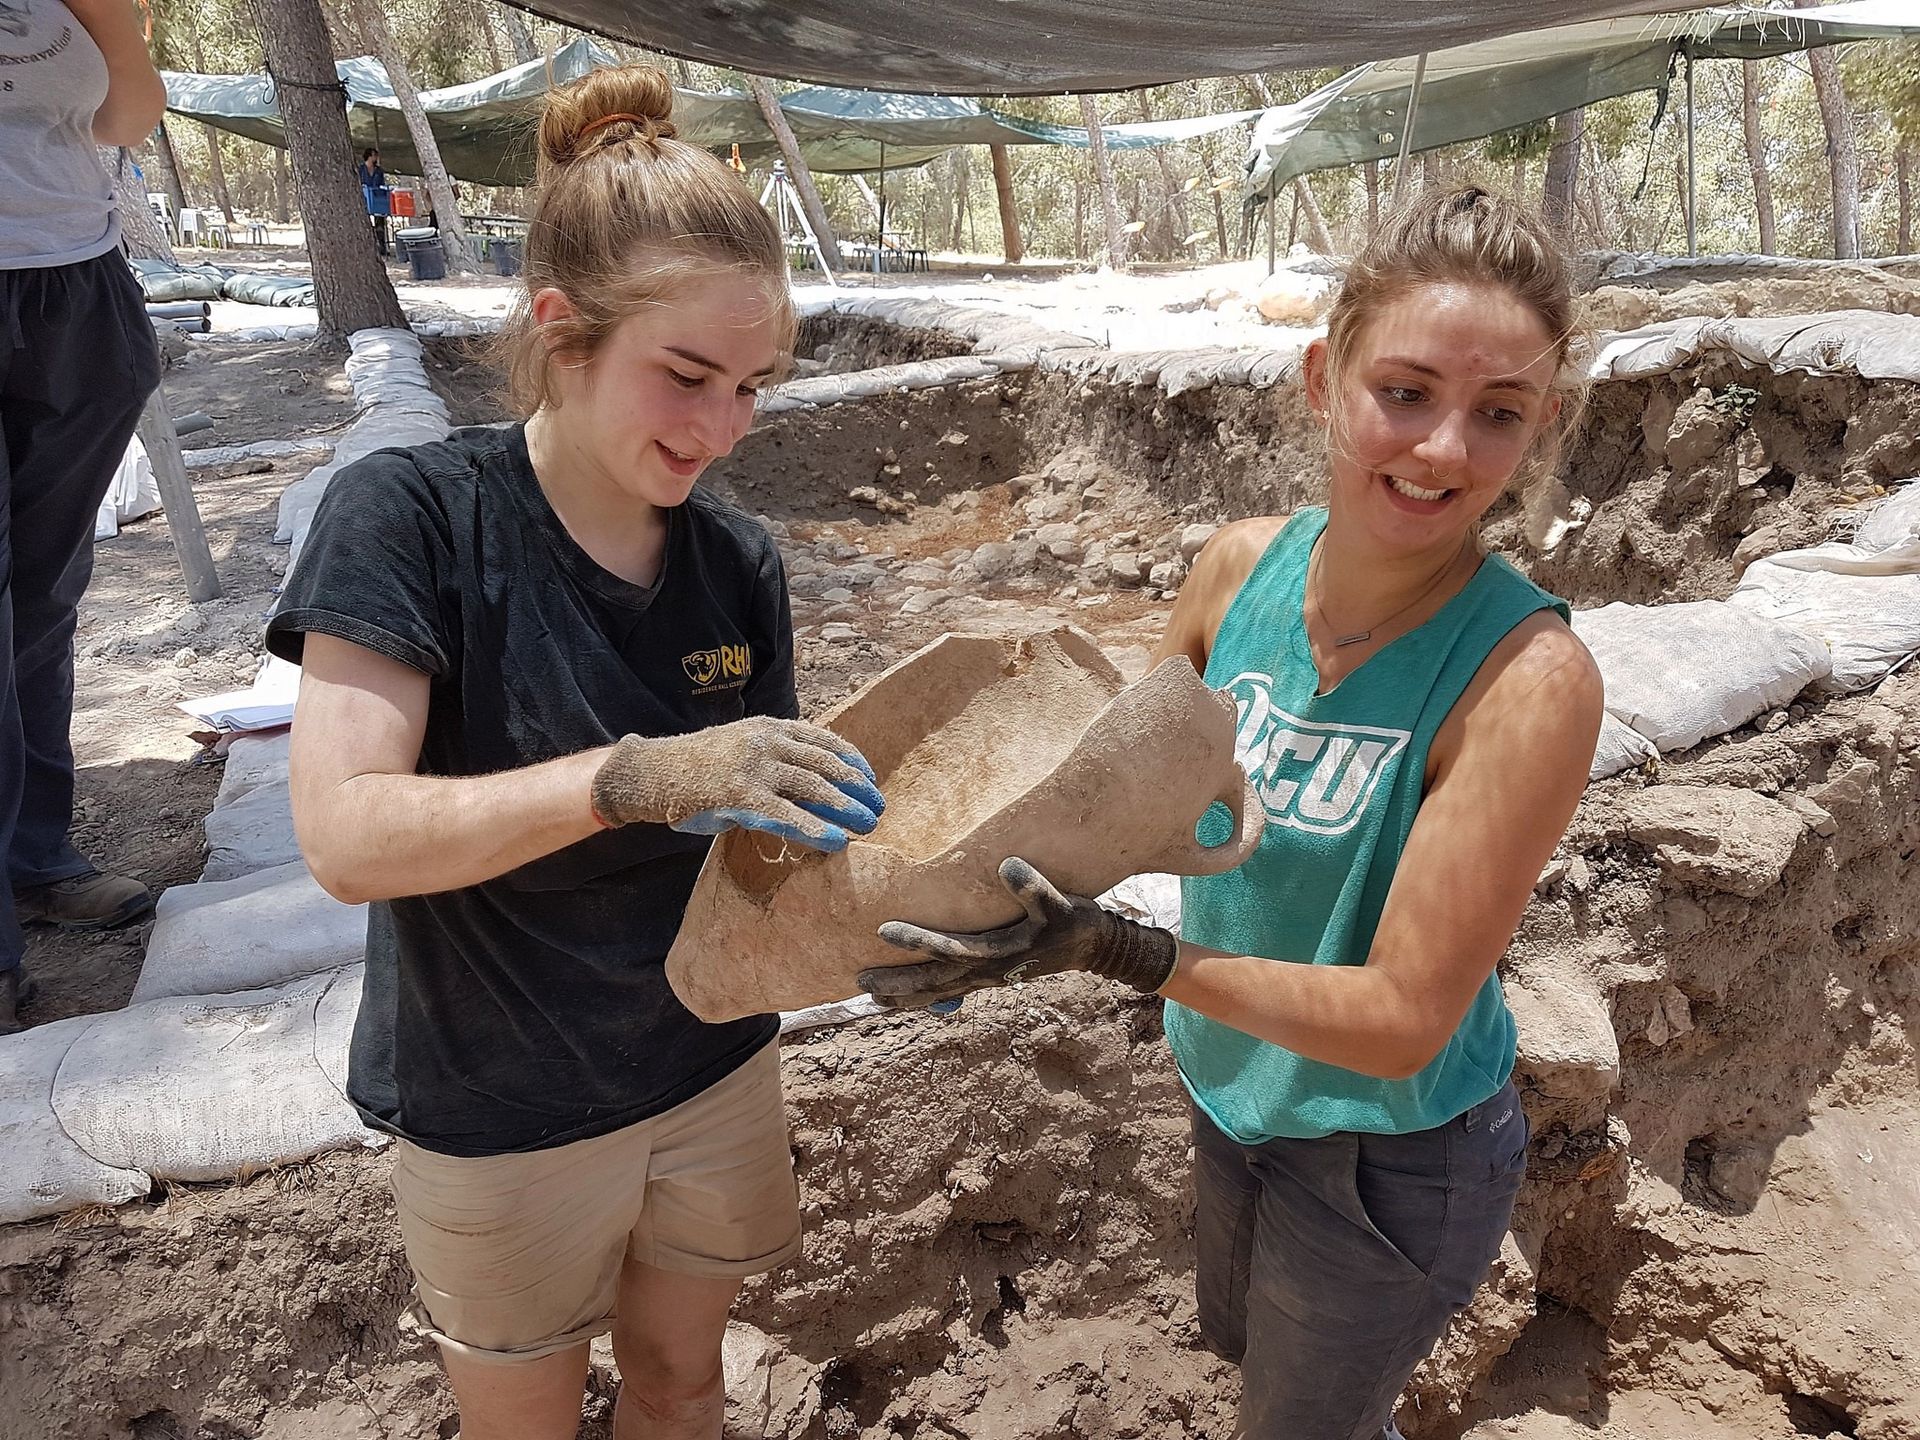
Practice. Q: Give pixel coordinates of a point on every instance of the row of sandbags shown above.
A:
(1841, 616)
(162, 283)
(232, 1054)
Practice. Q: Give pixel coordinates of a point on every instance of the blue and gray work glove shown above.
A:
(784, 777)
(1060, 932)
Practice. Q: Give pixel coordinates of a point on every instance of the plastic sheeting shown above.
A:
(485, 128)
(1482, 88)
(1029, 47)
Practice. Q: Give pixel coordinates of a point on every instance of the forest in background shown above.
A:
(1620, 178)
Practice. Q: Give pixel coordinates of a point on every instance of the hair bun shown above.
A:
(603, 108)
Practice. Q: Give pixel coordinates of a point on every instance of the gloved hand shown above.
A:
(784, 777)
(1061, 932)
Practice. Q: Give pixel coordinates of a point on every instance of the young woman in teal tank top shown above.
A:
(1418, 719)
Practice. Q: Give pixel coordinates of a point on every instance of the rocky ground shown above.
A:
(1718, 987)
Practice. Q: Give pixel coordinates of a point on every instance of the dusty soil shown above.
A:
(998, 1205)
(1722, 293)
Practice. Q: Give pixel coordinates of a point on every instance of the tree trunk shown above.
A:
(1177, 212)
(1219, 221)
(1370, 178)
(216, 169)
(1844, 158)
(483, 21)
(351, 288)
(1903, 170)
(446, 207)
(1563, 169)
(1010, 245)
(1757, 152)
(1318, 236)
(169, 167)
(139, 229)
(523, 47)
(962, 186)
(1518, 185)
(797, 170)
(281, 214)
(1079, 218)
(217, 173)
(1103, 176)
(1431, 170)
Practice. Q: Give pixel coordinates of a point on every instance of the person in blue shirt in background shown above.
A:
(378, 194)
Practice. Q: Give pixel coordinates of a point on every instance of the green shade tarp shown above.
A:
(486, 128)
(1482, 89)
(1030, 47)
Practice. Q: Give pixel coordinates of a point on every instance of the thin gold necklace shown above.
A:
(1341, 641)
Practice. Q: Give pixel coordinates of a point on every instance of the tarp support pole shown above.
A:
(1693, 190)
(880, 240)
(156, 432)
(1273, 222)
(1406, 130)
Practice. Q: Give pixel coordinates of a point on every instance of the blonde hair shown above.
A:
(1466, 236)
(625, 215)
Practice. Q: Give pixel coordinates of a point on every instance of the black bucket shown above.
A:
(507, 255)
(427, 259)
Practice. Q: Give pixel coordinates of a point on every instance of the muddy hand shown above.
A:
(1059, 933)
(787, 778)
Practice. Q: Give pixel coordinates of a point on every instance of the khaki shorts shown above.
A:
(516, 1257)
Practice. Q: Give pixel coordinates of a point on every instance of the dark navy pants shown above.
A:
(77, 363)
(1328, 1269)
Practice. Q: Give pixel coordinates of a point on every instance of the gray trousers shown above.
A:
(1328, 1269)
(77, 363)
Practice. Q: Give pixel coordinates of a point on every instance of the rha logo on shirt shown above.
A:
(1309, 775)
(724, 669)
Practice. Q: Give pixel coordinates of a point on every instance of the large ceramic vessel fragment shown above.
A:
(985, 747)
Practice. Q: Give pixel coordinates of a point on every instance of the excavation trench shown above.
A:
(1720, 1070)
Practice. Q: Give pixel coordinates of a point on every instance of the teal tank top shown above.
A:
(1340, 777)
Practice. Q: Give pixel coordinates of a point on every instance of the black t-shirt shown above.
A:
(533, 1009)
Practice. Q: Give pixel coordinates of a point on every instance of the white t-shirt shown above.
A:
(56, 202)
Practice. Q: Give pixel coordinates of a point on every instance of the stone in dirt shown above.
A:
(1193, 538)
(1716, 837)
(985, 748)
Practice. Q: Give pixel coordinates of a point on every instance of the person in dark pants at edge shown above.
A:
(378, 195)
(540, 668)
(77, 363)
(1418, 719)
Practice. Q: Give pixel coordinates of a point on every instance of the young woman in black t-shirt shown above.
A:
(541, 669)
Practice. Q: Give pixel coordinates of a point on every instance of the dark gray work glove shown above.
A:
(785, 777)
(1061, 932)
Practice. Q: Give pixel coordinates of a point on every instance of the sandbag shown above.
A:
(1862, 604)
(132, 494)
(253, 761)
(262, 929)
(1894, 521)
(268, 289)
(1681, 673)
(46, 1172)
(254, 832)
(1620, 747)
(985, 747)
(205, 1087)
(161, 282)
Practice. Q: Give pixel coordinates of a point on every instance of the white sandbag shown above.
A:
(253, 761)
(45, 1171)
(1150, 899)
(132, 494)
(255, 832)
(1620, 747)
(333, 1033)
(205, 1087)
(1863, 604)
(1894, 521)
(263, 929)
(1681, 673)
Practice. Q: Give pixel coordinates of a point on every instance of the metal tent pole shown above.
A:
(1693, 191)
(880, 240)
(1273, 220)
(1406, 131)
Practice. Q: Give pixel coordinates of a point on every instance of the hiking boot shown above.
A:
(17, 991)
(85, 902)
